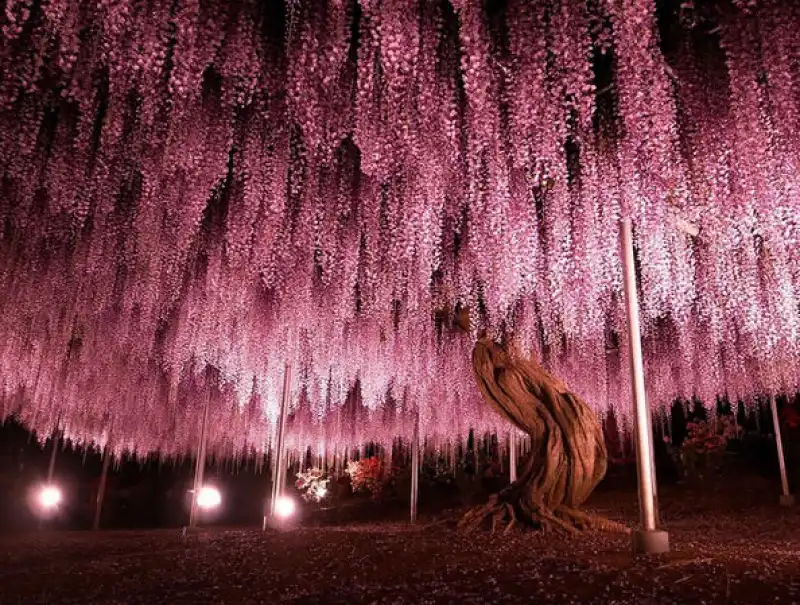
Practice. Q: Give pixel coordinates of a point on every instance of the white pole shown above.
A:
(653, 466)
(415, 470)
(101, 489)
(199, 465)
(786, 498)
(51, 469)
(512, 456)
(283, 461)
(56, 438)
(649, 539)
(279, 466)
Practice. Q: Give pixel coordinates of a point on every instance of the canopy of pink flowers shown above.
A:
(195, 192)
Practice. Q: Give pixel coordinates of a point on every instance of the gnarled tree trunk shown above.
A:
(568, 457)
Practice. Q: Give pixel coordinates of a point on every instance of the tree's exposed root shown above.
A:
(503, 514)
(570, 459)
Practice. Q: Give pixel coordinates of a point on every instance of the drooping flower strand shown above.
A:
(195, 193)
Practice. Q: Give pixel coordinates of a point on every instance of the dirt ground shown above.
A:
(729, 546)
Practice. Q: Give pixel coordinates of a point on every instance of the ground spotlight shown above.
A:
(49, 497)
(284, 507)
(209, 497)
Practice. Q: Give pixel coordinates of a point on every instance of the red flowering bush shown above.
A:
(703, 449)
(368, 475)
(790, 417)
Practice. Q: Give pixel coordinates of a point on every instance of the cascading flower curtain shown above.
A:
(194, 192)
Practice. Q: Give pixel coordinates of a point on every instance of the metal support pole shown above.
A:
(415, 471)
(648, 539)
(786, 497)
(512, 457)
(282, 460)
(279, 467)
(101, 490)
(651, 432)
(51, 469)
(199, 465)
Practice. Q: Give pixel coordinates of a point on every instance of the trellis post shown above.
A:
(101, 489)
(512, 456)
(786, 499)
(279, 466)
(649, 539)
(200, 463)
(415, 470)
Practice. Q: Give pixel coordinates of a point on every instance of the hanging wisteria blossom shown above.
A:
(194, 193)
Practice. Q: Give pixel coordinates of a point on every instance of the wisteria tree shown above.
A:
(193, 192)
(568, 457)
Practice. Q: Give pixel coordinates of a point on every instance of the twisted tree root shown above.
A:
(570, 459)
(500, 510)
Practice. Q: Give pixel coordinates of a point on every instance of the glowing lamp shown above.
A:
(208, 497)
(49, 497)
(284, 507)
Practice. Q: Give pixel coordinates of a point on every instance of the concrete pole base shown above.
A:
(654, 542)
(787, 500)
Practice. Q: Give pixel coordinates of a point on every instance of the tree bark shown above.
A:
(568, 456)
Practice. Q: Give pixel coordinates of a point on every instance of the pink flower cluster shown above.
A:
(194, 193)
(703, 438)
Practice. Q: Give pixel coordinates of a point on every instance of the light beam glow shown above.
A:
(284, 507)
(209, 498)
(49, 497)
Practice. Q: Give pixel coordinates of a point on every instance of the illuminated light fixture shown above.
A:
(50, 497)
(284, 507)
(209, 497)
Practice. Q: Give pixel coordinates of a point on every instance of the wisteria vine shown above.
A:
(194, 193)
